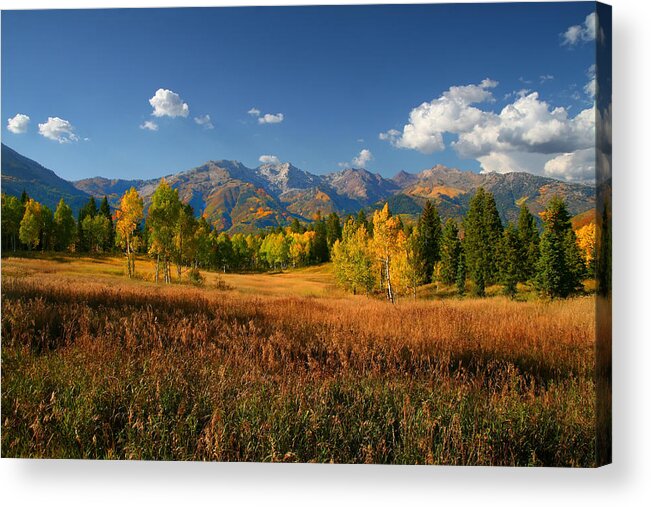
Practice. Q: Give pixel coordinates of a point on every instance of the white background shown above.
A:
(626, 482)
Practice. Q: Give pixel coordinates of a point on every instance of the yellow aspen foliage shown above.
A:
(585, 238)
(128, 216)
(388, 243)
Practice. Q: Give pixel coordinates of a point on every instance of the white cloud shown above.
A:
(451, 112)
(524, 136)
(149, 125)
(390, 135)
(168, 103)
(360, 161)
(576, 166)
(204, 121)
(271, 118)
(590, 88)
(253, 112)
(269, 159)
(546, 77)
(58, 130)
(18, 124)
(364, 157)
(585, 32)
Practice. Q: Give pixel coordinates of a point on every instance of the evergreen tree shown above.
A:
(559, 273)
(530, 241)
(88, 210)
(361, 219)
(429, 229)
(412, 271)
(461, 273)
(603, 254)
(64, 226)
(24, 198)
(296, 226)
(320, 249)
(510, 260)
(450, 252)
(333, 229)
(105, 210)
(483, 231)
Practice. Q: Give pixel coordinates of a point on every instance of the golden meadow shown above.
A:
(287, 367)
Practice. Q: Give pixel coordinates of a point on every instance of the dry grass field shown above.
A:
(286, 367)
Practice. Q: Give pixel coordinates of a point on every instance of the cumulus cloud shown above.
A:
(360, 161)
(149, 125)
(18, 124)
(524, 136)
(168, 103)
(253, 112)
(269, 159)
(546, 77)
(576, 166)
(451, 112)
(204, 121)
(590, 88)
(364, 157)
(585, 32)
(271, 118)
(57, 129)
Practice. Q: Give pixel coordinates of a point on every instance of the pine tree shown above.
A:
(450, 252)
(510, 260)
(483, 230)
(361, 219)
(429, 228)
(530, 241)
(296, 226)
(333, 229)
(413, 272)
(88, 210)
(320, 252)
(461, 273)
(105, 210)
(559, 271)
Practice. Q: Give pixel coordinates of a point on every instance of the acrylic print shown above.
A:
(349, 234)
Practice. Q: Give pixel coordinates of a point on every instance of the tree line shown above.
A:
(379, 253)
(168, 231)
(385, 255)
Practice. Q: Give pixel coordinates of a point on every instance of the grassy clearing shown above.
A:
(96, 366)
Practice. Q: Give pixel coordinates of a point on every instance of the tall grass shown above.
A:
(141, 372)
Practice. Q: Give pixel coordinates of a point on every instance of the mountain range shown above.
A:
(237, 198)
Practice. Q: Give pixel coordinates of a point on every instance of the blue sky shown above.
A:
(340, 77)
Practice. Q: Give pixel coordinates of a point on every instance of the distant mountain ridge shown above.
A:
(21, 173)
(238, 198)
